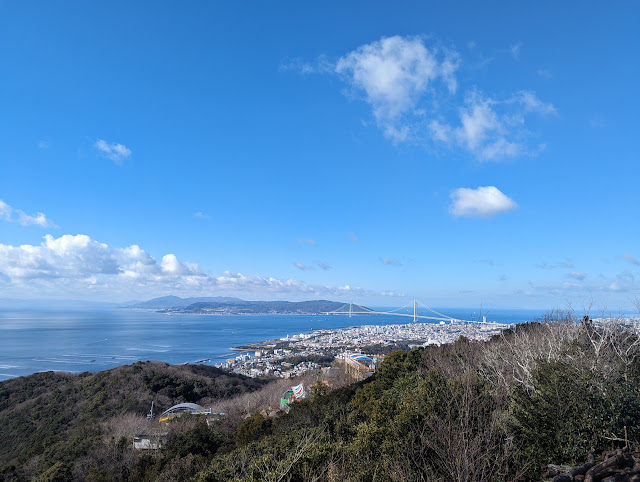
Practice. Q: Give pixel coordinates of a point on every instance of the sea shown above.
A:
(80, 340)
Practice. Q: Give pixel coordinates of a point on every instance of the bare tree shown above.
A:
(513, 358)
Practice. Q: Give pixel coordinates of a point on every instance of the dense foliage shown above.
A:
(470, 411)
(57, 419)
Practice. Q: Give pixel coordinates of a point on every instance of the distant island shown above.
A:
(236, 306)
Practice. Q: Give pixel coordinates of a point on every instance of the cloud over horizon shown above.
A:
(76, 265)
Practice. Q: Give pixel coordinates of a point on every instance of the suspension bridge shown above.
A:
(348, 309)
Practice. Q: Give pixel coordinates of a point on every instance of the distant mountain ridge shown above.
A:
(242, 307)
(168, 302)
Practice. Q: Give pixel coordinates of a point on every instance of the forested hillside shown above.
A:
(548, 392)
(58, 418)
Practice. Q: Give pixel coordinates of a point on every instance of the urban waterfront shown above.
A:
(86, 340)
(274, 357)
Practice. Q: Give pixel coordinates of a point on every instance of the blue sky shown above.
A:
(458, 153)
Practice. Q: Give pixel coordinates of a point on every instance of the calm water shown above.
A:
(76, 341)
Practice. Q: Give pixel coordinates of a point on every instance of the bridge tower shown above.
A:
(350, 303)
(415, 311)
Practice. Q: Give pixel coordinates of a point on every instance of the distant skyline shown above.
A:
(461, 154)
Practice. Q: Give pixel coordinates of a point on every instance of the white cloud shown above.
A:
(44, 145)
(394, 73)
(78, 266)
(478, 121)
(491, 129)
(7, 213)
(623, 282)
(411, 90)
(39, 219)
(64, 257)
(440, 131)
(354, 239)
(531, 103)
(483, 202)
(116, 152)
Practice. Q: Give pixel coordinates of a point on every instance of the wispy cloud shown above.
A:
(389, 261)
(567, 263)
(302, 267)
(545, 265)
(598, 122)
(545, 73)
(530, 102)
(302, 67)
(627, 257)
(307, 241)
(7, 213)
(201, 215)
(353, 238)
(323, 266)
(491, 129)
(577, 275)
(623, 282)
(515, 50)
(483, 202)
(411, 88)
(116, 152)
(44, 144)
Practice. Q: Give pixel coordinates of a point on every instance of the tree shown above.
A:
(252, 428)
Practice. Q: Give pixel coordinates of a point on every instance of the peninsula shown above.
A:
(236, 306)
